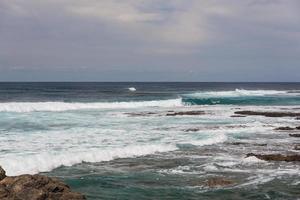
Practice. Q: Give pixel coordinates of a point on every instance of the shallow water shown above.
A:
(111, 142)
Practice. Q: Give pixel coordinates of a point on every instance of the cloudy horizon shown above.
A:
(149, 40)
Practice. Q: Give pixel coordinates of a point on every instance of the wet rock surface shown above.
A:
(284, 128)
(35, 187)
(237, 116)
(294, 135)
(275, 157)
(218, 182)
(196, 112)
(268, 114)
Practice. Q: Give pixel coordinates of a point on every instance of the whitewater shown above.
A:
(110, 129)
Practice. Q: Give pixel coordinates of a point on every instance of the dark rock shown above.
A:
(238, 143)
(192, 130)
(36, 187)
(141, 114)
(297, 147)
(297, 118)
(298, 128)
(284, 128)
(276, 157)
(294, 135)
(197, 112)
(237, 116)
(2, 173)
(218, 182)
(268, 114)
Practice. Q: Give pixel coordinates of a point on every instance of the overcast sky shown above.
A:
(149, 40)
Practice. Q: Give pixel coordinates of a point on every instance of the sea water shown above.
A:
(110, 141)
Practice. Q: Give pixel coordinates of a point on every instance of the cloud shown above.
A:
(203, 36)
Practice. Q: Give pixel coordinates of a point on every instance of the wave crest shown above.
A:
(64, 106)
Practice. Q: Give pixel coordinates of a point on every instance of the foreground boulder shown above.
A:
(268, 114)
(275, 157)
(35, 187)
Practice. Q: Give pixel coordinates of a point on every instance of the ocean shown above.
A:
(130, 140)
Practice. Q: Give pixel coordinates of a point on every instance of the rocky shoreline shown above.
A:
(35, 187)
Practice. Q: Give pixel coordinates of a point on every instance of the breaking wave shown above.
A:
(64, 106)
(243, 97)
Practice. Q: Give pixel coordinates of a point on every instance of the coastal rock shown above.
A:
(237, 116)
(268, 114)
(297, 147)
(197, 112)
(35, 187)
(2, 173)
(294, 135)
(298, 127)
(192, 130)
(275, 157)
(218, 182)
(284, 128)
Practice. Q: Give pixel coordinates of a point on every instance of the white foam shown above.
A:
(217, 138)
(63, 106)
(32, 164)
(238, 93)
(132, 89)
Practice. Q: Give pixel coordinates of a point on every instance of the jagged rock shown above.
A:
(298, 127)
(2, 173)
(268, 114)
(294, 135)
(284, 128)
(276, 157)
(36, 187)
(218, 182)
(197, 112)
(237, 116)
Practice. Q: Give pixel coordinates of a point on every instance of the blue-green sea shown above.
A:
(125, 140)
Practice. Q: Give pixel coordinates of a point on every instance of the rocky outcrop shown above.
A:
(268, 114)
(218, 182)
(275, 157)
(294, 135)
(35, 187)
(237, 116)
(197, 112)
(284, 128)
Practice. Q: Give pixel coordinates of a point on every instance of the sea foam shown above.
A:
(64, 106)
(32, 164)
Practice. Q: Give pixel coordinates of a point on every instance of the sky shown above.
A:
(150, 40)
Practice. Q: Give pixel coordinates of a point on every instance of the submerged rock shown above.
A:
(275, 157)
(268, 114)
(284, 128)
(197, 112)
(297, 147)
(237, 116)
(35, 187)
(294, 135)
(218, 182)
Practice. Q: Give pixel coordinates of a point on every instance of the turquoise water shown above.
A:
(110, 142)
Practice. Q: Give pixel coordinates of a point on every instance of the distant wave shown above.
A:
(237, 93)
(243, 97)
(63, 106)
